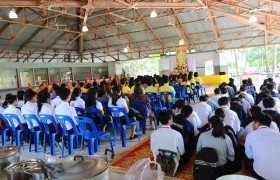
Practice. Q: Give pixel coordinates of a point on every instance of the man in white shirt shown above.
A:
(166, 138)
(30, 107)
(231, 119)
(247, 95)
(203, 110)
(65, 109)
(217, 95)
(262, 149)
(56, 101)
(11, 109)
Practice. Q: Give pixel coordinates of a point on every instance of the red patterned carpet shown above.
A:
(142, 150)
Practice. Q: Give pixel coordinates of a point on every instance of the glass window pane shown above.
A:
(26, 76)
(8, 78)
(81, 73)
(54, 74)
(209, 67)
(66, 74)
(41, 75)
(100, 72)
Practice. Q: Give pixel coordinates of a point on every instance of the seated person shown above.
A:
(20, 96)
(262, 149)
(166, 138)
(203, 111)
(248, 97)
(57, 100)
(124, 85)
(269, 104)
(266, 94)
(198, 79)
(271, 88)
(231, 117)
(231, 84)
(66, 110)
(236, 106)
(166, 87)
(211, 103)
(217, 139)
(118, 101)
(151, 88)
(217, 95)
(224, 92)
(177, 107)
(30, 107)
(11, 109)
(76, 100)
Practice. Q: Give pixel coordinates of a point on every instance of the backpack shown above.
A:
(205, 164)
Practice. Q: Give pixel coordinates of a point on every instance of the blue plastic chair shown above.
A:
(44, 119)
(185, 96)
(22, 129)
(91, 111)
(200, 89)
(116, 111)
(84, 97)
(29, 118)
(178, 92)
(190, 93)
(93, 136)
(165, 97)
(80, 111)
(70, 137)
(195, 92)
(4, 130)
(156, 104)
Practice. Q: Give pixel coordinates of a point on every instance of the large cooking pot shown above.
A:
(8, 155)
(26, 170)
(81, 167)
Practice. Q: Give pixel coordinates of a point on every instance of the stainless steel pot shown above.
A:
(8, 155)
(26, 170)
(82, 167)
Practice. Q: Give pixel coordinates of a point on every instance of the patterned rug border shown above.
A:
(118, 157)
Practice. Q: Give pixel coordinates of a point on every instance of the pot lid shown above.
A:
(6, 151)
(84, 168)
(24, 165)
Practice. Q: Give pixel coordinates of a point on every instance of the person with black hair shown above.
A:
(21, 99)
(267, 94)
(198, 79)
(30, 107)
(65, 109)
(229, 89)
(231, 117)
(248, 96)
(269, 105)
(136, 81)
(217, 95)
(57, 100)
(166, 87)
(12, 101)
(224, 91)
(118, 101)
(193, 118)
(102, 96)
(264, 85)
(236, 106)
(5, 103)
(231, 84)
(262, 149)
(211, 103)
(131, 82)
(166, 138)
(191, 81)
(270, 81)
(271, 88)
(203, 110)
(177, 107)
(124, 86)
(217, 139)
(150, 88)
(76, 100)
(55, 89)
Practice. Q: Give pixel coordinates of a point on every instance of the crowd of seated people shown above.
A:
(220, 122)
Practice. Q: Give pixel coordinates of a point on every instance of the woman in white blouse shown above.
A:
(76, 99)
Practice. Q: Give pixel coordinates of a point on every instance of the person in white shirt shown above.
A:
(166, 138)
(11, 109)
(262, 149)
(217, 95)
(245, 104)
(193, 118)
(178, 106)
(247, 95)
(118, 101)
(1, 110)
(57, 100)
(65, 109)
(203, 110)
(20, 96)
(76, 99)
(231, 119)
(30, 107)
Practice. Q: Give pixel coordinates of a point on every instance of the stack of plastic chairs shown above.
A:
(116, 113)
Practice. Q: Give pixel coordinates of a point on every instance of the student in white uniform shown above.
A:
(203, 110)
(21, 99)
(248, 96)
(193, 118)
(1, 110)
(217, 95)
(262, 149)
(57, 100)
(76, 99)
(11, 109)
(30, 107)
(65, 109)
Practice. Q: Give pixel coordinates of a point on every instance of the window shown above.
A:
(146, 66)
(66, 74)
(81, 73)
(100, 72)
(41, 75)
(209, 67)
(8, 78)
(26, 76)
(54, 74)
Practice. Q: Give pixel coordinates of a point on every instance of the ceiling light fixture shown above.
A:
(153, 14)
(181, 42)
(125, 50)
(85, 28)
(253, 19)
(13, 14)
